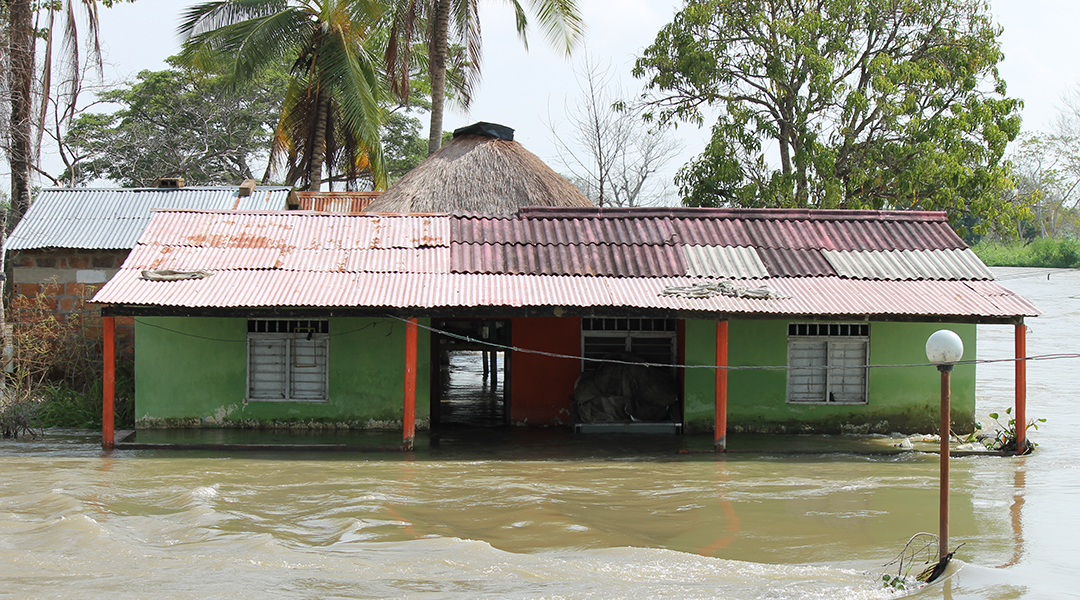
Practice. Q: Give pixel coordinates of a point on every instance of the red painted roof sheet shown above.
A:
(809, 295)
(400, 261)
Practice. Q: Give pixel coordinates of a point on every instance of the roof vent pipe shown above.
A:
(501, 132)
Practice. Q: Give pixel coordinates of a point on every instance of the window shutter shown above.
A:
(807, 379)
(308, 368)
(267, 368)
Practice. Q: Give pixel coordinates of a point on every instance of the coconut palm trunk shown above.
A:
(437, 65)
(318, 143)
(21, 85)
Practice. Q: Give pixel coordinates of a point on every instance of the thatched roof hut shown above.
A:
(482, 170)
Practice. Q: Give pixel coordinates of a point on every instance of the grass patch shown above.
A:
(1042, 252)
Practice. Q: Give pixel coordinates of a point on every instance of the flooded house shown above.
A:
(263, 319)
(598, 319)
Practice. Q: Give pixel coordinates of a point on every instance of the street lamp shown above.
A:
(944, 348)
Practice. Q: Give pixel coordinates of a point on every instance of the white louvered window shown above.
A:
(287, 360)
(828, 362)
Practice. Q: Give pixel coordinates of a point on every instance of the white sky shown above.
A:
(526, 90)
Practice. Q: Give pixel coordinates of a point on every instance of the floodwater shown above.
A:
(542, 518)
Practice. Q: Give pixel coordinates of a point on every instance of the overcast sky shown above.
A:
(528, 90)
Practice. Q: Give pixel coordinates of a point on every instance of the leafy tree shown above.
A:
(403, 145)
(609, 152)
(332, 111)
(177, 123)
(839, 103)
(436, 22)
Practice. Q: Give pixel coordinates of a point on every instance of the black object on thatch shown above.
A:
(479, 171)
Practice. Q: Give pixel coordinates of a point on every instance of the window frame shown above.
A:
(834, 337)
(289, 332)
(628, 329)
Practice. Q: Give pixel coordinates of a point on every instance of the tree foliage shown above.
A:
(441, 26)
(178, 123)
(839, 103)
(333, 108)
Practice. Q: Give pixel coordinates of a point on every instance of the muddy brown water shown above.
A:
(540, 517)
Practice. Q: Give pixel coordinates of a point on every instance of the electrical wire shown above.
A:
(508, 348)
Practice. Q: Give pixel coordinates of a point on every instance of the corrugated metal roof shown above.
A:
(349, 203)
(580, 259)
(809, 296)
(787, 262)
(113, 219)
(724, 261)
(324, 260)
(770, 228)
(909, 264)
(304, 230)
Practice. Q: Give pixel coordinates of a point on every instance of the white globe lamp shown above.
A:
(944, 347)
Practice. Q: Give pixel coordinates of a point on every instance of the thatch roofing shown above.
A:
(479, 173)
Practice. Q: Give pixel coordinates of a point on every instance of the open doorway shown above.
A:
(470, 387)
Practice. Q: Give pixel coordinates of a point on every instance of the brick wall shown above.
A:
(62, 281)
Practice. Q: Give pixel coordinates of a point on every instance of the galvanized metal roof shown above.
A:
(112, 219)
(809, 295)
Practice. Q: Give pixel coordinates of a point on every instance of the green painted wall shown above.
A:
(192, 371)
(900, 398)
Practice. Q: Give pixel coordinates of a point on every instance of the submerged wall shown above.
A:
(192, 372)
(905, 399)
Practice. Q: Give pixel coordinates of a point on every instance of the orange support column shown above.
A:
(409, 420)
(721, 385)
(108, 396)
(1021, 387)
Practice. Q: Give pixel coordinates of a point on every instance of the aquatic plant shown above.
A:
(1005, 437)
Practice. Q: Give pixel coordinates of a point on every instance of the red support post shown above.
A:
(409, 420)
(721, 385)
(108, 396)
(1021, 387)
(943, 484)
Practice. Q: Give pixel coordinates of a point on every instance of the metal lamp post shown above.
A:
(944, 348)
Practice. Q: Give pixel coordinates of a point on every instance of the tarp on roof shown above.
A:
(113, 219)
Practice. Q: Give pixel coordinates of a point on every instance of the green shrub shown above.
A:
(1043, 252)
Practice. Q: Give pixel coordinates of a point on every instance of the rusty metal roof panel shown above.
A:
(336, 202)
(190, 258)
(909, 264)
(114, 218)
(303, 230)
(724, 262)
(585, 259)
(821, 296)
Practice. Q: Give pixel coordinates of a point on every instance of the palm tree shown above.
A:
(24, 128)
(433, 21)
(333, 107)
